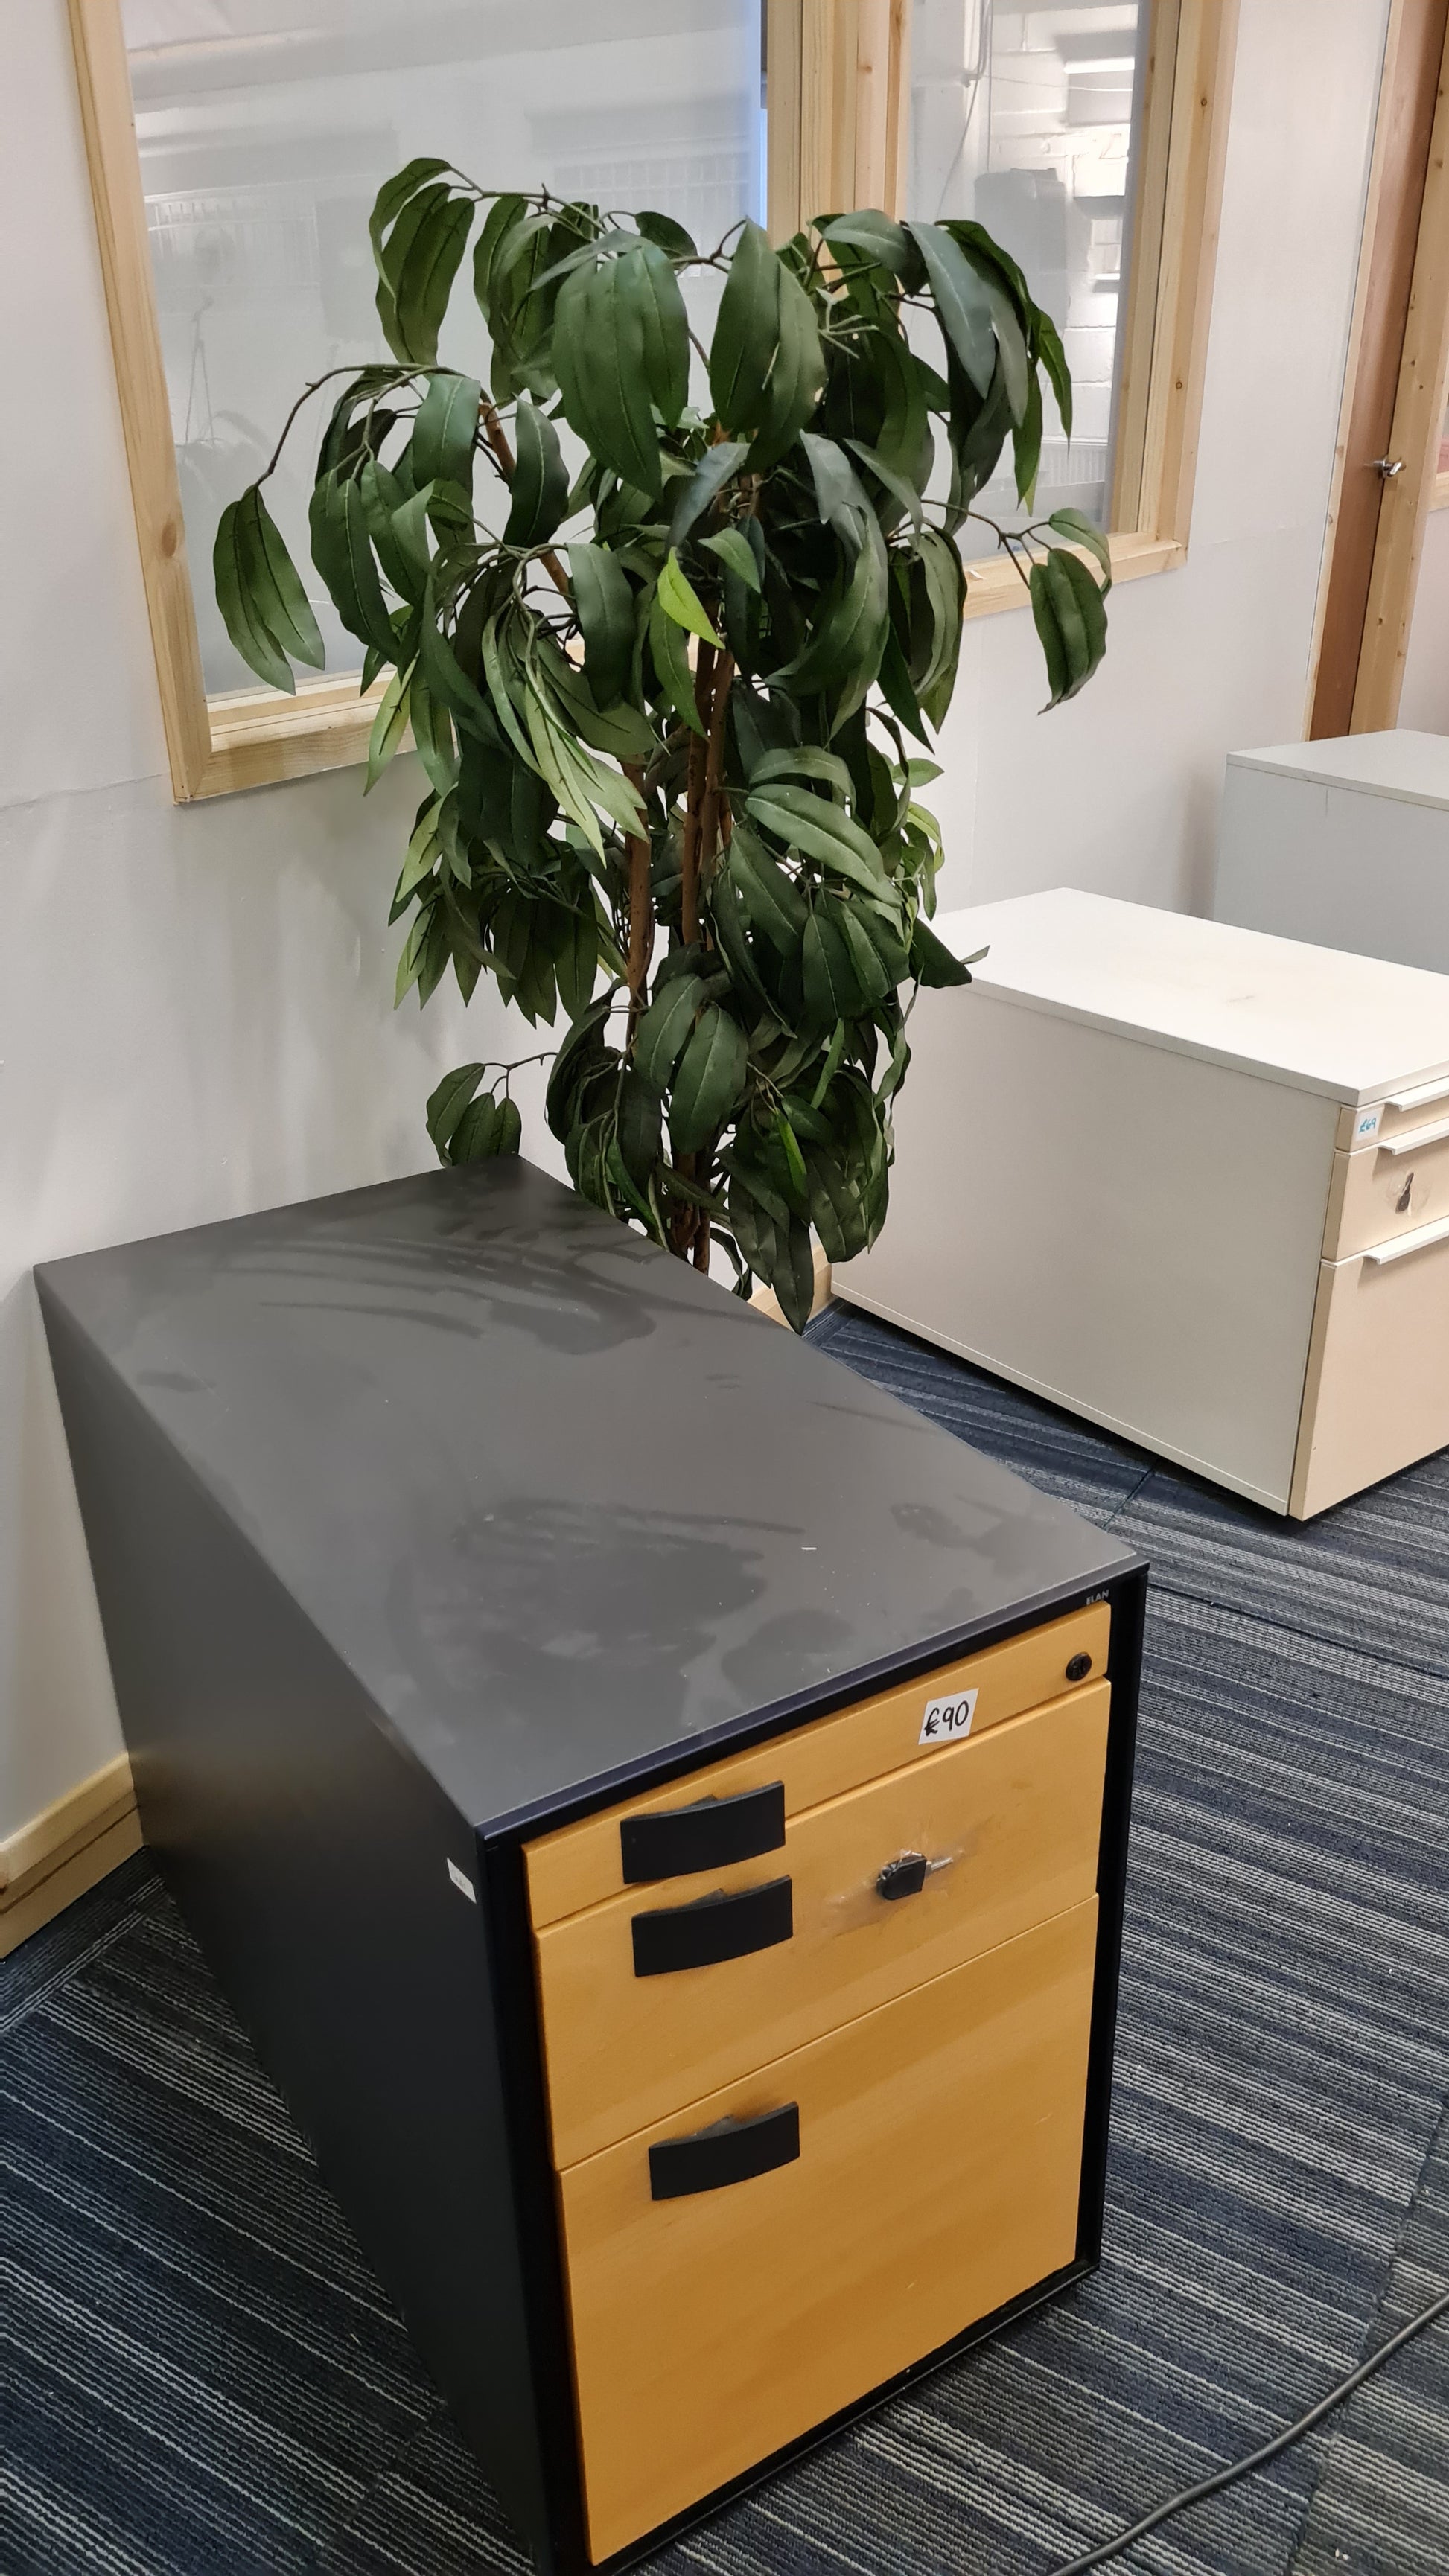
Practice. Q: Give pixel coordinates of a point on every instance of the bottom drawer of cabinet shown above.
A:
(1377, 1394)
(739, 2273)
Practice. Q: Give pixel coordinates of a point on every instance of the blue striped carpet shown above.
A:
(206, 2377)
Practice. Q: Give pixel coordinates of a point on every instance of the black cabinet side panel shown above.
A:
(310, 1854)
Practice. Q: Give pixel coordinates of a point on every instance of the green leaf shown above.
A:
(578, 963)
(1075, 641)
(840, 497)
(771, 898)
(963, 306)
(445, 679)
(277, 594)
(447, 1104)
(708, 1080)
(666, 333)
(393, 195)
(803, 760)
(888, 244)
(1089, 606)
(1079, 531)
(671, 662)
(932, 962)
(1054, 358)
(1053, 645)
(342, 552)
(709, 478)
(670, 236)
(500, 681)
(831, 1065)
(945, 594)
(664, 1028)
(794, 1159)
(604, 599)
(422, 856)
(432, 735)
(410, 540)
(836, 1211)
(419, 265)
(389, 726)
(504, 213)
(806, 822)
(831, 990)
(797, 376)
(508, 1134)
(737, 554)
(897, 486)
(680, 600)
(445, 431)
(601, 354)
(1026, 444)
(640, 1129)
(583, 1054)
(868, 964)
(844, 652)
(475, 1137)
(746, 333)
(540, 481)
(897, 688)
(231, 564)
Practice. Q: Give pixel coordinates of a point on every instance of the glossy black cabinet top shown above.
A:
(562, 1505)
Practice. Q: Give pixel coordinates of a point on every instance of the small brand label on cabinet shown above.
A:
(462, 1882)
(1367, 1124)
(945, 1721)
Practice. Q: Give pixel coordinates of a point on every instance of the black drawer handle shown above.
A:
(712, 1928)
(730, 2151)
(707, 1835)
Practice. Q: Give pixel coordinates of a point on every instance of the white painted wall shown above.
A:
(1424, 706)
(195, 1005)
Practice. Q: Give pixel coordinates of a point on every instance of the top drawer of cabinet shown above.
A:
(1406, 1113)
(735, 1808)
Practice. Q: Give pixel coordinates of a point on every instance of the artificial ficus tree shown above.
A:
(666, 708)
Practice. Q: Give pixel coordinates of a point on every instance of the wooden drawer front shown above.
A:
(1377, 1393)
(1016, 1816)
(582, 1863)
(1420, 1105)
(1388, 1190)
(937, 2175)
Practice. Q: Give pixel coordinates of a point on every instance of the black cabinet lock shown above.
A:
(1078, 1668)
(903, 1877)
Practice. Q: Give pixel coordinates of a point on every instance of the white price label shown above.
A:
(945, 1721)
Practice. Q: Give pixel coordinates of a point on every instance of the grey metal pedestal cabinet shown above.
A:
(658, 1805)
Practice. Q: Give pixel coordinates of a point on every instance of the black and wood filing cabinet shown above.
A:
(658, 1805)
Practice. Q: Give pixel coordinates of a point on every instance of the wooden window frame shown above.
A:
(839, 84)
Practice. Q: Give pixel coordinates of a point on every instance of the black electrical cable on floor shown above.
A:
(1258, 2459)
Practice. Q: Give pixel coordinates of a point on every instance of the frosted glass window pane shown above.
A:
(1026, 120)
(265, 129)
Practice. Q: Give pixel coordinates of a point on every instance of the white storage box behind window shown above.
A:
(1345, 843)
(1188, 1180)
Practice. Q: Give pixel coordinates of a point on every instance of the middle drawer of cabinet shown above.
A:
(656, 1997)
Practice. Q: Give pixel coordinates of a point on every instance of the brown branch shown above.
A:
(641, 908)
(497, 437)
(694, 795)
(714, 813)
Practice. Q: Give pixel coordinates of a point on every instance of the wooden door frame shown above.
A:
(1393, 400)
